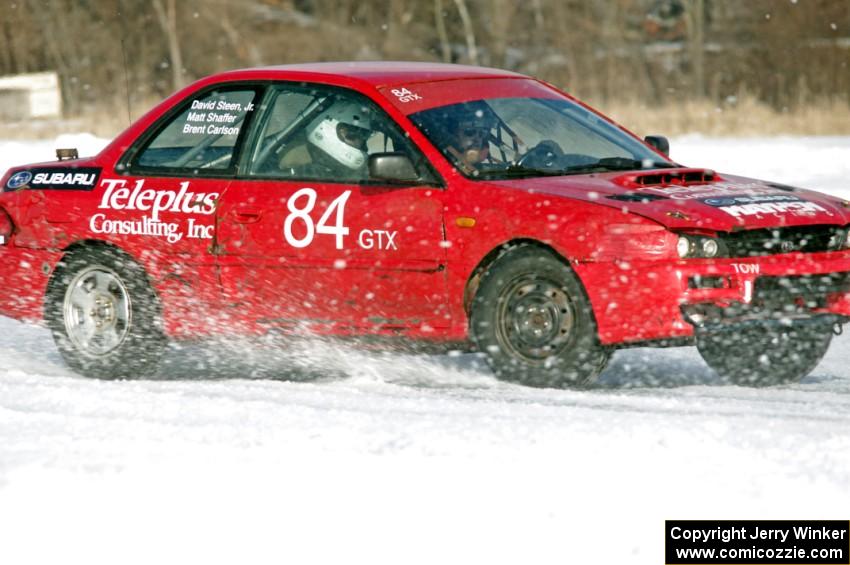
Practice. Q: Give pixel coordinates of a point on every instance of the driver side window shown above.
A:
(203, 136)
(323, 134)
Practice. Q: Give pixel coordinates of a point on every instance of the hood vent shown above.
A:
(675, 177)
(784, 187)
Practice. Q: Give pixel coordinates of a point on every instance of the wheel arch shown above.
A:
(494, 254)
(471, 286)
(84, 244)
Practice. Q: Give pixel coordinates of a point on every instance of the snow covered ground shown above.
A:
(411, 459)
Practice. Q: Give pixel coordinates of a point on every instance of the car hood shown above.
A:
(696, 198)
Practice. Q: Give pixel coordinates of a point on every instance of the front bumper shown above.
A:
(657, 300)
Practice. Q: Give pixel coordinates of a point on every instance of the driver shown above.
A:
(336, 139)
(469, 133)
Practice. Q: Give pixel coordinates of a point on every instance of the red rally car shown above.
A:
(450, 204)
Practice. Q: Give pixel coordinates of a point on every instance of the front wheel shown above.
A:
(532, 320)
(104, 315)
(766, 355)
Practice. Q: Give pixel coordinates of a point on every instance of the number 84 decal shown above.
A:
(301, 212)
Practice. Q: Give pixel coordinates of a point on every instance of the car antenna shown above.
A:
(126, 81)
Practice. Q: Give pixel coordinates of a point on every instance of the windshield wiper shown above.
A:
(604, 164)
(515, 171)
(617, 164)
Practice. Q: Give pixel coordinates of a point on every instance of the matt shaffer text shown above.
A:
(727, 534)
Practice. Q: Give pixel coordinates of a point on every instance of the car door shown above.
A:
(160, 199)
(167, 185)
(305, 239)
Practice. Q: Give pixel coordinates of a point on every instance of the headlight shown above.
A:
(710, 247)
(699, 246)
(683, 246)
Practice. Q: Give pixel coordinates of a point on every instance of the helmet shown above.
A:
(468, 124)
(341, 132)
(475, 114)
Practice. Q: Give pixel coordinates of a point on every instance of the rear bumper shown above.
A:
(24, 274)
(657, 300)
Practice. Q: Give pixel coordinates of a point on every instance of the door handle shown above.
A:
(246, 216)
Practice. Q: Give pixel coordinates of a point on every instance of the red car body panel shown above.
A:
(411, 256)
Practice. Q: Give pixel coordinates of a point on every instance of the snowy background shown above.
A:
(410, 459)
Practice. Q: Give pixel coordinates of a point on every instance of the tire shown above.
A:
(105, 317)
(766, 355)
(531, 318)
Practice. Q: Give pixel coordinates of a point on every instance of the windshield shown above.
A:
(523, 137)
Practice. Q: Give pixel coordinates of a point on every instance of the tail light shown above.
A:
(6, 227)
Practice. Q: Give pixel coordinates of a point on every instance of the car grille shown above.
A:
(774, 298)
(802, 285)
(773, 241)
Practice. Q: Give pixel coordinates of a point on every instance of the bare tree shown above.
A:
(168, 21)
(440, 25)
(468, 31)
(241, 43)
(502, 13)
(696, 38)
(538, 16)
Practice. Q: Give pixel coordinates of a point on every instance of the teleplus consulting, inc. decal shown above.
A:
(118, 196)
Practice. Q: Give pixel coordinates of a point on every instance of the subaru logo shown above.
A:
(720, 202)
(19, 179)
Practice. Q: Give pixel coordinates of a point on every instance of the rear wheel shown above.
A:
(766, 355)
(104, 316)
(532, 320)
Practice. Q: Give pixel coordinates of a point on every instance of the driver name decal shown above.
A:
(215, 117)
(153, 203)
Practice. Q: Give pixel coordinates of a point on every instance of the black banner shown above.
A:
(757, 542)
(57, 178)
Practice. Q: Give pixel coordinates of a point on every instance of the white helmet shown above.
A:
(341, 131)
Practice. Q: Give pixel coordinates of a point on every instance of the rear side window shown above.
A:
(326, 134)
(204, 136)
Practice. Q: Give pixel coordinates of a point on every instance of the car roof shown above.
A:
(356, 74)
(375, 73)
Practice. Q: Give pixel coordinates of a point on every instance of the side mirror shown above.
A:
(392, 167)
(659, 142)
